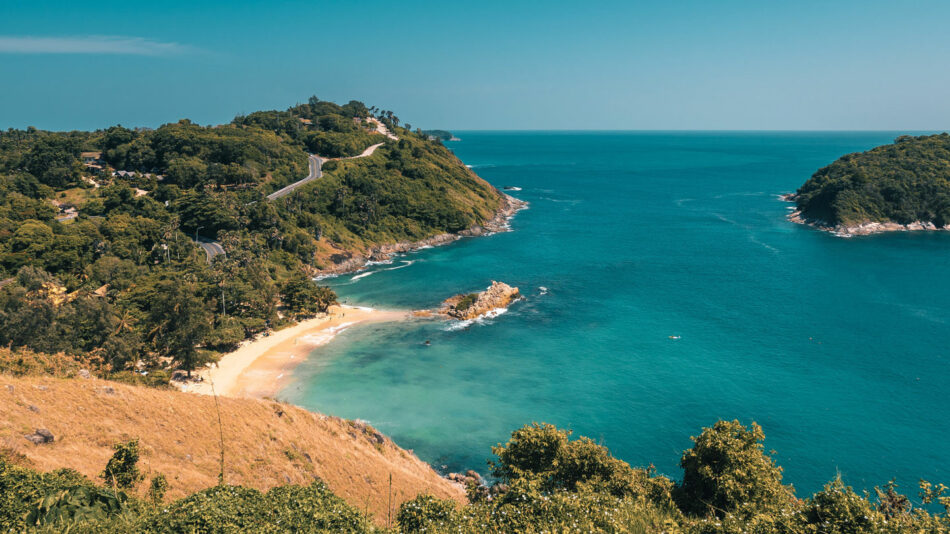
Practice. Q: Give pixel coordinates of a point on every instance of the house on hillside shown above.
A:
(92, 161)
(91, 158)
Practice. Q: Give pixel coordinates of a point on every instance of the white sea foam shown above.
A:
(482, 319)
(323, 277)
(423, 247)
(383, 262)
(542, 290)
(361, 275)
(364, 308)
(405, 263)
(340, 327)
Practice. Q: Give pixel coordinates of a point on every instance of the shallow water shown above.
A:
(837, 347)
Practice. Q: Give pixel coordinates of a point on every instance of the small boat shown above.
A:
(675, 337)
(511, 188)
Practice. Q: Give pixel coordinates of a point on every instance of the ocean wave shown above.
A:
(381, 262)
(542, 290)
(362, 275)
(405, 263)
(482, 319)
(324, 277)
(340, 327)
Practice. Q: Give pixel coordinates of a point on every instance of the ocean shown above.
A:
(664, 289)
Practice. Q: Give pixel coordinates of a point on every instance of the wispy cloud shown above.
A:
(90, 44)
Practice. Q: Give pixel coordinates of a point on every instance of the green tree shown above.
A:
(727, 471)
(122, 470)
(303, 296)
(181, 322)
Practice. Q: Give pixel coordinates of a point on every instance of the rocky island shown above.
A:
(903, 186)
(472, 305)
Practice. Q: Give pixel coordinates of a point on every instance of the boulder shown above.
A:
(464, 307)
(40, 436)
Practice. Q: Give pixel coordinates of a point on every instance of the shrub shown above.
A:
(122, 471)
(157, 488)
(727, 471)
(466, 302)
(425, 513)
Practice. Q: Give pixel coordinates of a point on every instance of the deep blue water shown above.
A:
(837, 347)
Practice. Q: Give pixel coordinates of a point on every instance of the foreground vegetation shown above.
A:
(103, 265)
(546, 482)
(904, 182)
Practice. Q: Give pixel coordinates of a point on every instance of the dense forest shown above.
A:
(545, 482)
(100, 231)
(903, 182)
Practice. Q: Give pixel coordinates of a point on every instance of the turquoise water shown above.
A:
(837, 347)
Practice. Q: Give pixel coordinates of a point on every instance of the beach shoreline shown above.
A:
(259, 368)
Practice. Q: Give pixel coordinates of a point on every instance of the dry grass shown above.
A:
(266, 443)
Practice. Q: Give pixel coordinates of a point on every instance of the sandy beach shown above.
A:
(260, 367)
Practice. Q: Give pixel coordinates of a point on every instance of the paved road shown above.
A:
(211, 248)
(316, 171)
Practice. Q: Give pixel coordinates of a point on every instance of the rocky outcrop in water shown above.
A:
(470, 306)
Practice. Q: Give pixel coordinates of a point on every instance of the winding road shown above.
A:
(213, 248)
(316, 171)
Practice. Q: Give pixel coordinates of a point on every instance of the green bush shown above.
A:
(425, 513)
(727, 471)
(466, 302)
(122, 470)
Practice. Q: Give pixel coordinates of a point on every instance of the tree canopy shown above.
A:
(903, 182)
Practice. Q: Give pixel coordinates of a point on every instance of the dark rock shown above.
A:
(33, 408)
(108, 390)
(41, 436)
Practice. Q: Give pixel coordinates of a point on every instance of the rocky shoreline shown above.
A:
(866, 228)
(464, 307)
(498, 223)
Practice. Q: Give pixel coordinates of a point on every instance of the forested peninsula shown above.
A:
(897, 187)
(154, 249)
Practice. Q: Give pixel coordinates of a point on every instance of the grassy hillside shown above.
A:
(98, 257)
(903, 182)
(266, 443)
(546, 481)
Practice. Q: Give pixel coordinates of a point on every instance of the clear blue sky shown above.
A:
(488, 65)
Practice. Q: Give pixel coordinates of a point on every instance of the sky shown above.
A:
(628, 65)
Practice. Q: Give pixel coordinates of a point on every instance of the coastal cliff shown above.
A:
(472, 305)
(349, 261)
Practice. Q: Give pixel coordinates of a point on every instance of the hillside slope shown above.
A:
(901, 186)
(266, 443)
